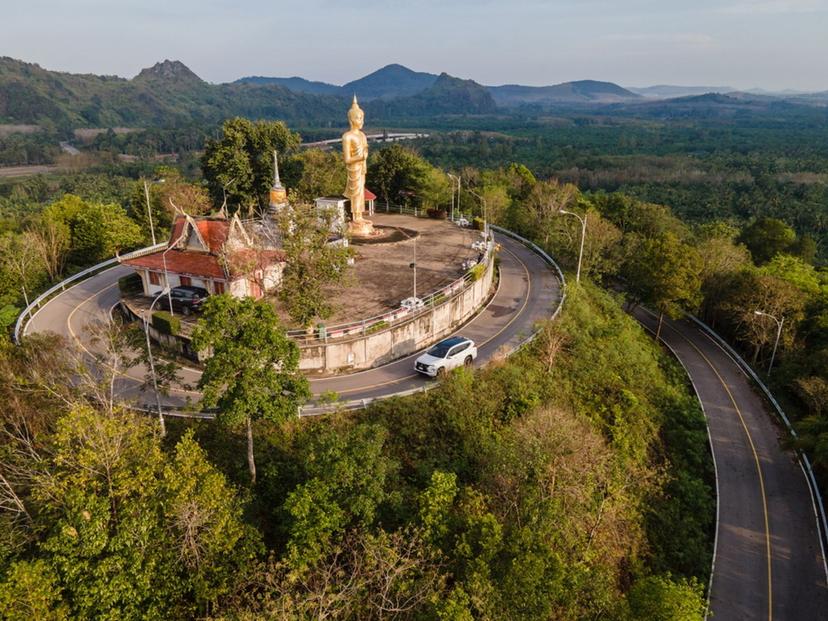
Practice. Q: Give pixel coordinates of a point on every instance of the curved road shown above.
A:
(768, 562)
(768, 559)
(528, 291)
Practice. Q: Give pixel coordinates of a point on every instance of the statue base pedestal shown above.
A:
(361, 228)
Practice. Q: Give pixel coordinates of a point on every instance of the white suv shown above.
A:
(446, 355)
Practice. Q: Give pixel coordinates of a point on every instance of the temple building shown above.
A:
(214, 253)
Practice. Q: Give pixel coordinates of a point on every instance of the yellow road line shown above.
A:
(350, 390)
(494, 336)
(83, 347)
(755, 459)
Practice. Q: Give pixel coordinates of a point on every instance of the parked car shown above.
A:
(412, 304)
(446, 355)
(185, 299)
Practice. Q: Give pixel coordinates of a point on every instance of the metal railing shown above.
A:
(26, 314)
(822, 522)
(355, 404)
(550, 261)
(398, 315)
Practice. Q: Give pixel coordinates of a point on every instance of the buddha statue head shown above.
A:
(356, 117)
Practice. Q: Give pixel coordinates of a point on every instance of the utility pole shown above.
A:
(152, 361)
(149, 211)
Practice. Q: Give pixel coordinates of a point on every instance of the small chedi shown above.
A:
(355, 152)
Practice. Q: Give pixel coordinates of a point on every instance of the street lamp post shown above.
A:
(152, 361)
(414, 267)
(583, 222)
(485, 215)
(457, 179)
(779, 325)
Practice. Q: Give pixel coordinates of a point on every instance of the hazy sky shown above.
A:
(741, 43)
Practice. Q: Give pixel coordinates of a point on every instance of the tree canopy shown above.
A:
(240, 161)
(252, 371)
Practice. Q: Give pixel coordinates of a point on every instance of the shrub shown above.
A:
(437, 214)
(377, 327)
(478, 223)
(477, 272)
(166, 323)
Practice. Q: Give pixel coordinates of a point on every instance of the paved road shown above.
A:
(769, 564)
(528, 292)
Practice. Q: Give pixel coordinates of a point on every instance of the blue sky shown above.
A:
(772, 44)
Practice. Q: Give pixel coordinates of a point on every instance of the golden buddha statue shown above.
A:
(355, 152)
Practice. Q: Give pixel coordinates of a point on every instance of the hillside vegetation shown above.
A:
(545, 486)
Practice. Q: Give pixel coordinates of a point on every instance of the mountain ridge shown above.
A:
(170, 94)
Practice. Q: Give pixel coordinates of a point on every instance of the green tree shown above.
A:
(252, 372)
(171, 190)
(752, 291)
(31, 591)
(312, 173)
(766, 238)
(660, 598)
(21, 267)
(97, 231)
(240, 161)
(118, 529)
(396, 170)
(312, 263)
(664, 272)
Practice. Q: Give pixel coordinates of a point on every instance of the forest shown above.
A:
(570, 481)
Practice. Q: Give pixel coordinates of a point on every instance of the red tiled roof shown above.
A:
(369, 195)
(181, 262)
(206, 265)
(213, 232)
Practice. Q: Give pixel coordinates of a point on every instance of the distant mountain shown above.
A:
(668, 91)
(295, 84)
(168, 71)
(390, 82)
(788, 92)
(716, 107)
(170, 94)
(446, 96)
(165, 94)
(818, 99)
(582, 91)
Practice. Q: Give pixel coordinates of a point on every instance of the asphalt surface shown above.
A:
(528, 291)
(768, 561)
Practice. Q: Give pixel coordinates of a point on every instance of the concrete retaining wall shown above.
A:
(364, 349)
(371, 350)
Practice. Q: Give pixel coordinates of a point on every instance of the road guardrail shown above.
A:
(822, 523)
(26, 314)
